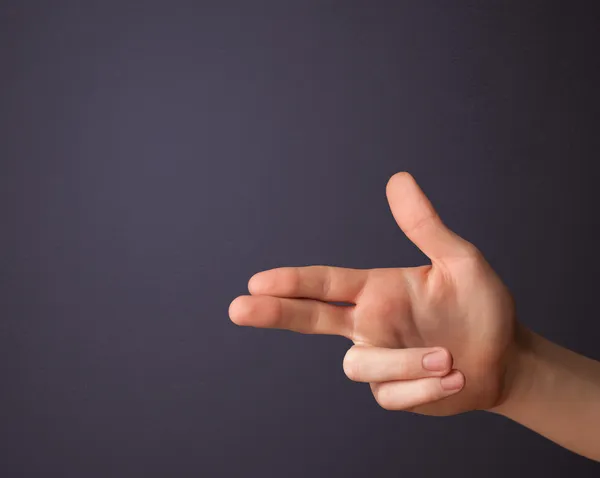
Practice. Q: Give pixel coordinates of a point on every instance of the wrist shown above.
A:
(522, 363)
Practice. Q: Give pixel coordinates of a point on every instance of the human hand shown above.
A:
(457, 306)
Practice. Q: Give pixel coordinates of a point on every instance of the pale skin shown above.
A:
(438, 339)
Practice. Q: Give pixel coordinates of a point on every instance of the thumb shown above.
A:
(418, 219)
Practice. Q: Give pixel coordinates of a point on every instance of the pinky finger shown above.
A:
(406, 394)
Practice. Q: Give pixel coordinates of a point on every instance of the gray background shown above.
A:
(156, 154)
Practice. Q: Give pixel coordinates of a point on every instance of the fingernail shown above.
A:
(436, 361)
(453, 381)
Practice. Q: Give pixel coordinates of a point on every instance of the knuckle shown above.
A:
(289, 280)
(351, 364)
(384, 396)
(383, 308)
(322, 279)
(472, 252)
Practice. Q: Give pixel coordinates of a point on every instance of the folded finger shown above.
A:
(406, 394)
(377, 364)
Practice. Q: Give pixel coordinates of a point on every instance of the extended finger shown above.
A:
(299, 315)
(421, 223)
(406, 394)
(325, 283)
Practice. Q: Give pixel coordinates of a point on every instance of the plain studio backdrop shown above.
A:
(155, 154)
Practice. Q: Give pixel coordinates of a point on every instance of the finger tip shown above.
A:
(438, 361)
(240, 309)
(453, 382)
(449, 360)
(399, 178)
(252, 283)
(257, 283)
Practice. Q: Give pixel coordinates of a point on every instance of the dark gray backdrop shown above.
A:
(156, 154)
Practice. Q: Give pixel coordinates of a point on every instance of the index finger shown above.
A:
(325, 283)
